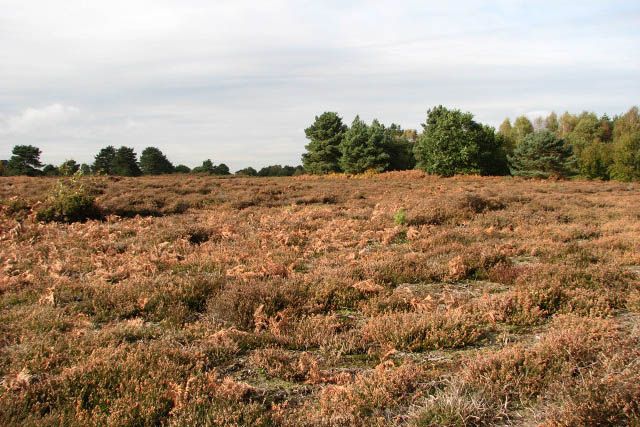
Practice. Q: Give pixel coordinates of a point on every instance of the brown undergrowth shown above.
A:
(391, 299)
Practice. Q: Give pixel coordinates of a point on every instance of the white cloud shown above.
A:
(38, 119)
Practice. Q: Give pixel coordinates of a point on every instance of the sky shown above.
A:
(238, 81)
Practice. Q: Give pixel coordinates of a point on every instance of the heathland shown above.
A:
(385, 299)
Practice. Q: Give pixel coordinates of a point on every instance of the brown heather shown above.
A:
(391, 299)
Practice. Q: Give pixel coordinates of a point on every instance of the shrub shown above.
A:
(454, 407)
(517, 373)
(286, 365)
(366, 400)
(70, 201)
(608, 396)
(424, 331)
(400, 217)
(479, 204)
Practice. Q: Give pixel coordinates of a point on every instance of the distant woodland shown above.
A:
(449, 143)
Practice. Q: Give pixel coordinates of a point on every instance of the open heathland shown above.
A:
(389, 299)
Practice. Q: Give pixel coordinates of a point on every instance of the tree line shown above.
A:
(452, 142)
(25, 160)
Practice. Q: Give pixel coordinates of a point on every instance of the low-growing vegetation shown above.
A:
(69, 201)
(372, 300)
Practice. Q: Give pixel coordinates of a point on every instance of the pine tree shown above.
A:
(542, 154)
(125, 162)
(363, 147)
(50, 170)
(249, 171)
(154, 162)
(182, 169)
(323, 151)
(206, 167)
(103, 163)
(492, 152)
(24, 161)
(221, 169)
(400, 148)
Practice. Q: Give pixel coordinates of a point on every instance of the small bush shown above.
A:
(69, 202)
(424, 331)
(367, 399)
(199, 235)
(400, 217)
(478, 204)
(287, 365)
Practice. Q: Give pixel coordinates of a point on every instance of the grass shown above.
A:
(390, 299)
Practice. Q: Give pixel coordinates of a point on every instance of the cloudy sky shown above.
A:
(238, 81)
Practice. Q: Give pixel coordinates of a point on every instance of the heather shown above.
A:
(379, 299)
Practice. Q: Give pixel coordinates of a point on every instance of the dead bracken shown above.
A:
(389, 299)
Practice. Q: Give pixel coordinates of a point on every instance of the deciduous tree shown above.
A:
(505, 131)
(521, 128)
(551, 122)
(452, 143)
(626, 147)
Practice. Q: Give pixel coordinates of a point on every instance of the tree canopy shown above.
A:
(400, 148)
(323, 150)
(182, 169)
(125, 162)
(69, 167)
(505, 131)
(363, 147)
(279, 170)
(208, 167)
(103, 163)
(521, 128)
(453, 143)
(249, 171)
(626, 147)
(24, 161)
(154, 162)
(540, 155)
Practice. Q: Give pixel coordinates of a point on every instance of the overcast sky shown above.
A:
(238, 81)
